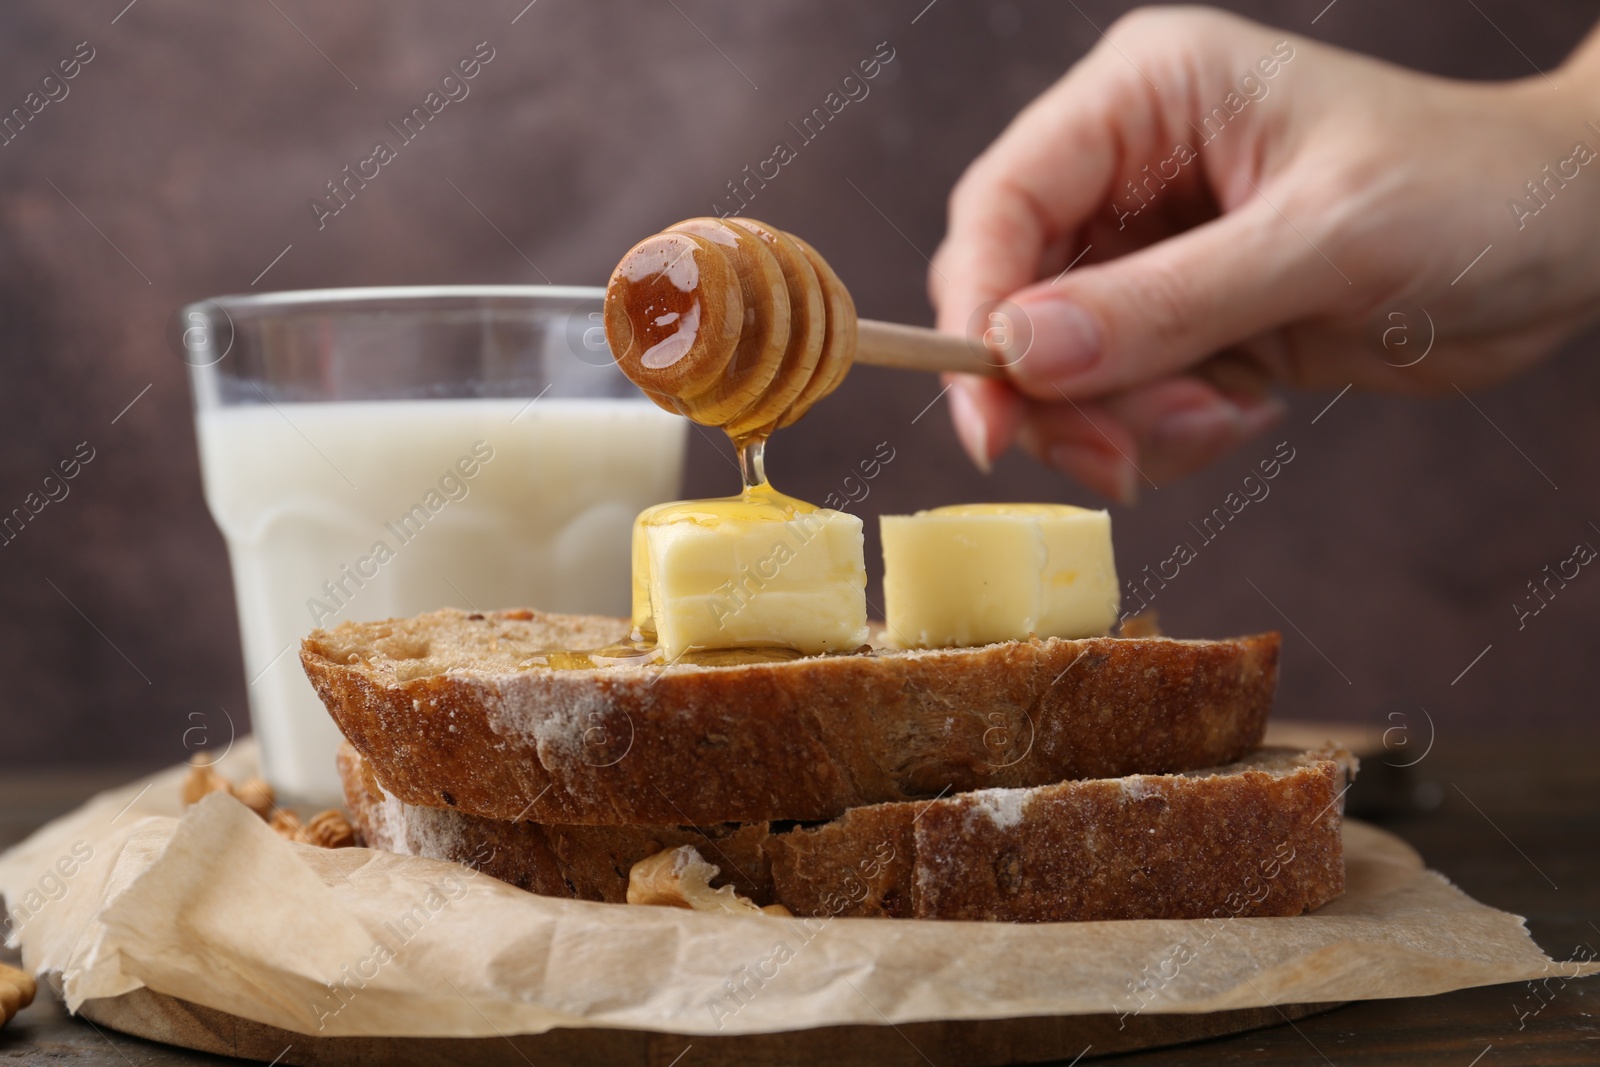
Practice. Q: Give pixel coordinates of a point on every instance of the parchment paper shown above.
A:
(212, 907)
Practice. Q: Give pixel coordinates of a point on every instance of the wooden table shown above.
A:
(1514, 822)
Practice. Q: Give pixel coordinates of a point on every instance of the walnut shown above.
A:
(258, 796)
(1144, 624)
(329, 829)
(202, 781)
(287, 824)
(681, 878)
(16, 992)
(326, 829)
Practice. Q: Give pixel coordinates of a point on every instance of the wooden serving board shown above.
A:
(983, 1043)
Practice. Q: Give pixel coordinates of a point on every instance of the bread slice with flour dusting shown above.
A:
(448, 711)
(1259, 837)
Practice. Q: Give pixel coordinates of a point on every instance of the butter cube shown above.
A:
(974, 574)
(762, 570)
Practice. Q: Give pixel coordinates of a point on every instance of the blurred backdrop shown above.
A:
(181, 160)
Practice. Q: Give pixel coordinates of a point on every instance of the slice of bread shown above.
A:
(444, 710)
(1257, 837)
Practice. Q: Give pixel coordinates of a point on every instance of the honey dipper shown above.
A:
(738, 324)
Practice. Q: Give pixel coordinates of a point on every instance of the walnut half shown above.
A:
(327, 829)
(16, 992)
(203, 780)
(681, 878)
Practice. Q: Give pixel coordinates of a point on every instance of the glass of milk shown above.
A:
(373, 453)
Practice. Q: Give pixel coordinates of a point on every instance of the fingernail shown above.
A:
(1106, 473)
(1260, 417)
(1197, 428)
(1217, 425)
(1065, 342)
(970, 429)
(1127, 484)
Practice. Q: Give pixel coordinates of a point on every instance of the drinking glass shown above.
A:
(375, 453)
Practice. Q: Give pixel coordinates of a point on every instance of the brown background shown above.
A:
(1396, 541)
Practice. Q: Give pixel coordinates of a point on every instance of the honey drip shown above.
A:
(752, 462)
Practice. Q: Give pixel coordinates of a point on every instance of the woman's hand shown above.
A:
(1240, 207)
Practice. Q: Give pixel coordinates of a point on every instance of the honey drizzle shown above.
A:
(752, 461)
(644, 654)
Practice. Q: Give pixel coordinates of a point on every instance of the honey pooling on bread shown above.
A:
(731, 323)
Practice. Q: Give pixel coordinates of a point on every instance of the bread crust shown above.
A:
(582, 862)
(441, 712)
(1260, 837)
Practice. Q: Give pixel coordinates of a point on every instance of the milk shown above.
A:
(367, 510)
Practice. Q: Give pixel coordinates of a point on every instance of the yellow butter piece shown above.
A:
(762, 569)
(974, 574)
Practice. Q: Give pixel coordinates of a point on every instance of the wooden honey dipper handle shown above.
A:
(890, 344)
(737, 324)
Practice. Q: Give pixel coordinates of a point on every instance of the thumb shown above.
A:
(1157, 311)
